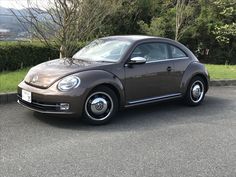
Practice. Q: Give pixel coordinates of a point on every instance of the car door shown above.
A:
(150, 80)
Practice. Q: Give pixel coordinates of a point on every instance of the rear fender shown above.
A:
(194, 69)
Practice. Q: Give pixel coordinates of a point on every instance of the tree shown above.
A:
(226, 29)
(162, 26)
(172, 20)
(65, 22)
(183, 17)
(124, 20)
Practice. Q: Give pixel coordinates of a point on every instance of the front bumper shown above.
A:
(42, 107)
(49, 100)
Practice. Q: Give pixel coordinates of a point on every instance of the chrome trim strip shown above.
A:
(155, 98)
(171, 59)
(40, 104)
(44, 112)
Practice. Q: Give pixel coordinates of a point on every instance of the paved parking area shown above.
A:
(167, 139)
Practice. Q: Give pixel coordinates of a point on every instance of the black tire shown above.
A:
(195, 92)
(100, 106)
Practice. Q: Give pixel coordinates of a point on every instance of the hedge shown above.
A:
(18, 55)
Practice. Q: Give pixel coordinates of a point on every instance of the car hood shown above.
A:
(47, 73)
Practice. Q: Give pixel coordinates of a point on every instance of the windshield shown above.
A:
(103, 50)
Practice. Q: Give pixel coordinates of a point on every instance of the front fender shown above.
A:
(194, 69)
(93, 78)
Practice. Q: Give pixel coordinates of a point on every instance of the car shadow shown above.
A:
(145, 117)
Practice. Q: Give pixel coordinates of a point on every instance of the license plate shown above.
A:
(26, 96)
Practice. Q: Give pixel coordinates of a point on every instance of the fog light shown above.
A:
(64, 106)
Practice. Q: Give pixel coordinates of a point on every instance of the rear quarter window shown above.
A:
(176, 52)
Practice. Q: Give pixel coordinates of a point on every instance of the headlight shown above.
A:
(68, 83)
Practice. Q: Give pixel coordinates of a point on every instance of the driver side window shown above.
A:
(151, 51)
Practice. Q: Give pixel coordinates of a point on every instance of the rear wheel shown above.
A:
(195, 92)
(100, 106)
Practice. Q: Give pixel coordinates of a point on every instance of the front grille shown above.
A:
(40, 106)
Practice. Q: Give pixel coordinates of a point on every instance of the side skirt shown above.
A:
(153, 100)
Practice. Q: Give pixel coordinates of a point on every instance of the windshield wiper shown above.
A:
(89, 60)
(78, 59)
(105, 61)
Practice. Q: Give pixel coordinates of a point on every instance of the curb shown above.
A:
(8, 97)
(12, 96)
(223, 82)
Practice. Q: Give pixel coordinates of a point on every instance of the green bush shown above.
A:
(18, 55)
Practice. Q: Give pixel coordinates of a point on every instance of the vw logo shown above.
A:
(35, 78)
(99, 106)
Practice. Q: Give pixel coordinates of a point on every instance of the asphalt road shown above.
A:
(158, 140)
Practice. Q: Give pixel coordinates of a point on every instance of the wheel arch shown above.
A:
(112, 87)
(193, 70)
(96, 78)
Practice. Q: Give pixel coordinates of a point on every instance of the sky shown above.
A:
(19, 4)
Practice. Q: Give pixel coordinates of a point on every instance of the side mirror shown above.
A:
(138, 60)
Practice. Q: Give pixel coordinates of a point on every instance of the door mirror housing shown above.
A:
(137, 60)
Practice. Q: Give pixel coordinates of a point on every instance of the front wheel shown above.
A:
(195, 91)
(100, 106)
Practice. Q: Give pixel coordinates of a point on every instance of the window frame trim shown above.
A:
(170, 57)
(151, 42)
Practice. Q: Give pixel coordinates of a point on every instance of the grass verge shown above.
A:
(10, 80)
(221, 71)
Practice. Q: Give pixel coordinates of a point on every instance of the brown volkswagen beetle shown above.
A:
(115, 72)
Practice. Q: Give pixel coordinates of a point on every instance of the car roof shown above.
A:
(137, 38)
(132, 38)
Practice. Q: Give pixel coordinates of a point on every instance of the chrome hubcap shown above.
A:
(197, 91)
(99, 106)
